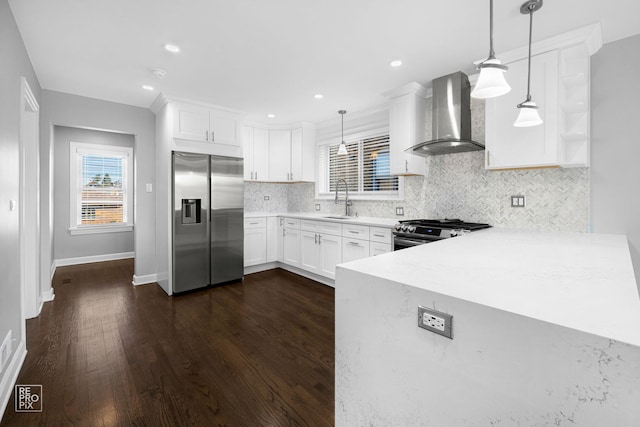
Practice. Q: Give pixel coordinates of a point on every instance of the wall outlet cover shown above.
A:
(317, 206)
(435, 321)
(400, 211)
(267, 198)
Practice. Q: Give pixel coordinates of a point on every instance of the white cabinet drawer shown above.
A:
(379, 234)
(356, 231)
(309, 225)
(376, 248)
(332, 228)
(255, 222)
(322, 227)
(292, 223)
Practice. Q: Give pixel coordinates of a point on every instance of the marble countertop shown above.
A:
(577, 280)
(360, 220)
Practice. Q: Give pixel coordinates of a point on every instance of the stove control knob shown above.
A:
(404, 227)
(411, 228)
(397, 227)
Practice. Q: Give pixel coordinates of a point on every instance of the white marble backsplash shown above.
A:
(457, 186)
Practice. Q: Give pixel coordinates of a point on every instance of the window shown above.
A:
(101, 197)
(365, 168)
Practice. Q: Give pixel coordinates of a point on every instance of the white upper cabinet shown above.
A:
(303, 153)
(255, 143)
(560, 79)
(198, 123)
(279, 155)
(406, 128)
(507, 146)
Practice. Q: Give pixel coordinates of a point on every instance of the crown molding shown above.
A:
(414, 88)
(162, 99)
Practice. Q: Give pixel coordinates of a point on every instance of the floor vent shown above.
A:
(66, 281)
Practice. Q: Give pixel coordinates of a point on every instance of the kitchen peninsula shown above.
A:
(546, 331)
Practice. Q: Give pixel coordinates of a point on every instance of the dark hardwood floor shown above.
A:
(253, 353)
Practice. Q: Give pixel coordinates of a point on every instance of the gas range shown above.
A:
(415, 232)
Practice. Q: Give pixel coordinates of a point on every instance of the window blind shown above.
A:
(102, 190)
(365, 168)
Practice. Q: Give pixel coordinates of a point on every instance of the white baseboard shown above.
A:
(296, 270)
(10, 375)
(93, 258)
(144, 280)
(48, 295)
(260, 267)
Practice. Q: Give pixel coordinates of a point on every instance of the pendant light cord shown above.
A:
(531, 7)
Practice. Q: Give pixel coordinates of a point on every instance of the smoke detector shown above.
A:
(159, 73)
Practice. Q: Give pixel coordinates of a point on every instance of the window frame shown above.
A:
(76, 151)
(323, 181)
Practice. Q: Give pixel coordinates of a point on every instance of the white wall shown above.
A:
(15, 63)
(615, 144)
(76, 246)
(61, 109)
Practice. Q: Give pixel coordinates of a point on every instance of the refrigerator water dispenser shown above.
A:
(191, 211)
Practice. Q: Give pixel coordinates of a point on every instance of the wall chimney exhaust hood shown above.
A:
(451, 118)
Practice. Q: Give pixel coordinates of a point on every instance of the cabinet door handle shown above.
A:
(256, 178)
(378, 235)
(284, 232)
(316, 238)
(406, 165)
(254, 223)
(354, 232)
(353, 244)
(319, 239)
(206, 135)
(291, 176)
(213, 136)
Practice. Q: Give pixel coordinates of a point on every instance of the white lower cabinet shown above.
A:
(311, 245)
(255, 241)
(274, 239)
(320, 247)
(353, 249)
(376, 248)
(291, 242)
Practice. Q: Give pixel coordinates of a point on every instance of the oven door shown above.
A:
(407, 242)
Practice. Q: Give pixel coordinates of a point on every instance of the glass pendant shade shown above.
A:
(491, 82)
(342, 148)
(528, 115)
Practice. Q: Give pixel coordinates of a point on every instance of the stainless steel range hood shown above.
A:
(451, 114)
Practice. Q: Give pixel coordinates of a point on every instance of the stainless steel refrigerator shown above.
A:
(208, 234)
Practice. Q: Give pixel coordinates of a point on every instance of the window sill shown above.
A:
(100, 229)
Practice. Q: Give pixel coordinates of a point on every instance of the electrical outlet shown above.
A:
(435, 321)
(317, 206)
(517, 201)
(400, 211)
(267, 198)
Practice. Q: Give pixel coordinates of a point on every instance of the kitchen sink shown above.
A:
(338, 217)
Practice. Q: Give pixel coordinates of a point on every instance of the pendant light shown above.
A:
(528, 115)
(342, 149)
(491, 82)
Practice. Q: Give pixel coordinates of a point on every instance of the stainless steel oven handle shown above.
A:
(409, 242)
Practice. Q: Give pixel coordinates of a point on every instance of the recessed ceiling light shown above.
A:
(271, 116)
(318, 96)
(172, 48)
(147, 87)
(395, 63)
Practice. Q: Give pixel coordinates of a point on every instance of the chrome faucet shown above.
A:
(347, 202)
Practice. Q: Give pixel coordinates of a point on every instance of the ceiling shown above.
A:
(271, 57)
